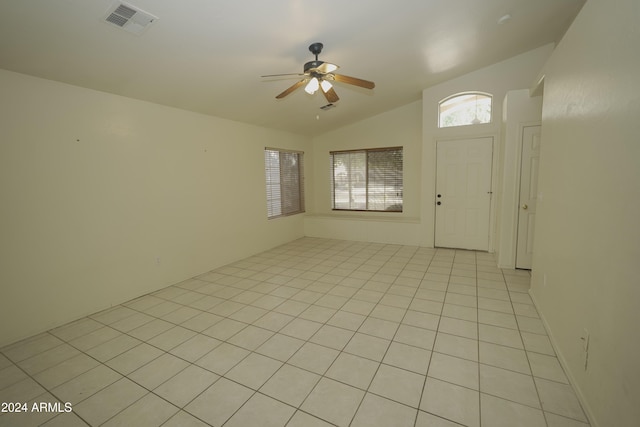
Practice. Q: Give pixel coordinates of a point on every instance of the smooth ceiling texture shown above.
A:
(207, 56)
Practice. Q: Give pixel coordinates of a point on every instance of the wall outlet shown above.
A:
(158, 260)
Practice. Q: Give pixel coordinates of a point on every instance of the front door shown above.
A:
(463, 193)
(528, 195)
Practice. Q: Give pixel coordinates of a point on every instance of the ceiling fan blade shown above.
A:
(354, 81)
(331, 95)
(291, 89)
(280, 75)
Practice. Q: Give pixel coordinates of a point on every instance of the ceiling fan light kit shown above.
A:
(325, 85)
(312, 86)
(319, 74)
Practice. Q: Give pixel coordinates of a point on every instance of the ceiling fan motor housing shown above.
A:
(312, 64)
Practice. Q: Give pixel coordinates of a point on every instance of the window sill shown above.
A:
(366, 216)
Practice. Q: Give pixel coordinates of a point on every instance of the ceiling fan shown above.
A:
(319, 75)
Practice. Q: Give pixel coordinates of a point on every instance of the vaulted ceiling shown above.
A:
(207, 56)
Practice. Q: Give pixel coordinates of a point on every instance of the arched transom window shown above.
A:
(469, 108)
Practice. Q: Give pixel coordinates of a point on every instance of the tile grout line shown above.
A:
(426, 376)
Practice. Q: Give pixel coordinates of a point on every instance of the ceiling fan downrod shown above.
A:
(315, 49)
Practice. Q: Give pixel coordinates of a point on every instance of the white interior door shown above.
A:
(463, 193)
(528, 195)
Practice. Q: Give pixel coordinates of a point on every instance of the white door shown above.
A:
(463, 193)
(528, 195)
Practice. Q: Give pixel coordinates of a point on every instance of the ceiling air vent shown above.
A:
(327, 107)
(129, 18)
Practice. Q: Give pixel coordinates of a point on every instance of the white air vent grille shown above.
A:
(121, 15)
(129, 18)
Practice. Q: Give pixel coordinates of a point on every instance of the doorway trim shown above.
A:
(507, 215)
(516, 203)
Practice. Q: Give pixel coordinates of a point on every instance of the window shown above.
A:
(367, 180)
(285, 182)
(465, 109)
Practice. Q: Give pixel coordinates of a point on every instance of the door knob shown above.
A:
(525, 207)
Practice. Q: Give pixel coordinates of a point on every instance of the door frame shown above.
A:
(495, 151)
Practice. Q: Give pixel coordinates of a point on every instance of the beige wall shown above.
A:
(398, 127)
(515, 73)
(587, 241)
(415, 127)
(105, 198)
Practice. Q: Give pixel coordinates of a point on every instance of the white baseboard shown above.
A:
(581, 398)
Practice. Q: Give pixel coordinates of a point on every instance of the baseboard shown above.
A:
(565, 367)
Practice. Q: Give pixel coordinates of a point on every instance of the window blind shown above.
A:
(284, 182)
(370, 180)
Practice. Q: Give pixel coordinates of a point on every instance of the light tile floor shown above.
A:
(316, 332)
